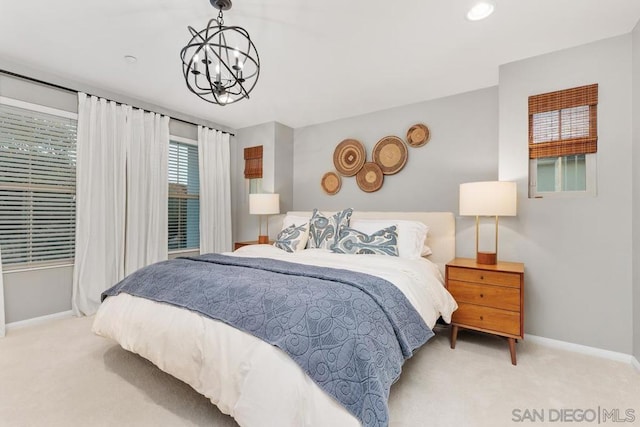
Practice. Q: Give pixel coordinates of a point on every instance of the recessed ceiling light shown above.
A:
(130, 59)
(480, 11)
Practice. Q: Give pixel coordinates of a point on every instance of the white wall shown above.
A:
(636, 189)
(577, 251)
(463, 147)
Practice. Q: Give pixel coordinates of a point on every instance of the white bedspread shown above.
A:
(254, 382)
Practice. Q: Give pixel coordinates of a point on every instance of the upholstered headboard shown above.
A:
(442, 229)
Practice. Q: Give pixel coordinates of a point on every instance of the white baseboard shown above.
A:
(583, 349)
(38, 320)
(635, 364)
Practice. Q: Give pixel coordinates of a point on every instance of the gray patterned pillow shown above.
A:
(382, 242)
(324, 231)
(292, 238)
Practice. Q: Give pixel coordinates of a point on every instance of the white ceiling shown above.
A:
(321, 60)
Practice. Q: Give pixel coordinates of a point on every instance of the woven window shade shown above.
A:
(564, 122)
(253, 162)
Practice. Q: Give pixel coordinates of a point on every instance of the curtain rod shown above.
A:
(68, 89)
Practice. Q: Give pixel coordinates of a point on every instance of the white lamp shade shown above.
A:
(264, 204)
(488, 198)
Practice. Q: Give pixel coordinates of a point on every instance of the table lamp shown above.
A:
(488, 198)
(264, 204)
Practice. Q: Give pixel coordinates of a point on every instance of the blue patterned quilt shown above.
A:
(350, 332)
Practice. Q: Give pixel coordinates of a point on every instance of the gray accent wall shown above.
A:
(277, 166)
(283, 166)
(463, 147)
(183, 129)
(636, 188)
(36, 293)
(577, 251)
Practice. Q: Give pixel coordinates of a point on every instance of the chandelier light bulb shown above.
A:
(195, 65)
(236, 54)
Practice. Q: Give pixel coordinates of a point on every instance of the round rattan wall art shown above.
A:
(348, 157)
(418, 135)
(370, 177)
(331, 183)
(390, 153)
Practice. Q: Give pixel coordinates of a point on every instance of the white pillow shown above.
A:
(290, 220)
(297, 221)
(411, 234)
(293, 238)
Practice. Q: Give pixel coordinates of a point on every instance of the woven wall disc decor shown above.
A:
(370, 177)
(418, 135)
(349, 156)
(390, 153)
(331, 183)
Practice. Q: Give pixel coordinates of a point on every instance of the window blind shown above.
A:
(564, 122)
(184, 196)
(253, 162)
(37, 187)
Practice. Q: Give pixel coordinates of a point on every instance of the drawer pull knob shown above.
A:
(481, 318)
(481, 277)
(481, 295)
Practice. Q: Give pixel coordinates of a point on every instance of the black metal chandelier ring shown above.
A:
(220, 63)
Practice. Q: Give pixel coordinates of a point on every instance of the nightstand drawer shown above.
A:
(487, 295)
(491, 319)
(484, 276)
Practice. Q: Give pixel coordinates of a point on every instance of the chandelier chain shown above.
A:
(220, 19)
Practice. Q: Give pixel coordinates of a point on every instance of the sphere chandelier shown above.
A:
(220, 63)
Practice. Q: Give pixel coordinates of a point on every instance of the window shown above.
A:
(563, 141)
(184, 195)
(37, 184)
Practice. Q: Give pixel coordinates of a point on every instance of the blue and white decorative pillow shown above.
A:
(382, 242)
(292, 238)
(324, 231)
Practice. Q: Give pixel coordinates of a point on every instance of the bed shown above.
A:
(257, 383)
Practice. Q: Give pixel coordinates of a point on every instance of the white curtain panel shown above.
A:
(215, 190)
(2, 327)
(121, 196)
(103, 135)
(147, 191)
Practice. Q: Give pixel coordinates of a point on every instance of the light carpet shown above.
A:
(60, 374)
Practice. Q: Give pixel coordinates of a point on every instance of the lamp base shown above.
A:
(263, 240)
(487, 258)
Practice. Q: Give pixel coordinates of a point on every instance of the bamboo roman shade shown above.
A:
(564, 122)
(253, 162)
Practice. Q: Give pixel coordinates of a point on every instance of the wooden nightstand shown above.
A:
(237, 245)
(490, 299)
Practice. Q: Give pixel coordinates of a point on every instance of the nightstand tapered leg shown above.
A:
(512, 349)
(454, 335)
